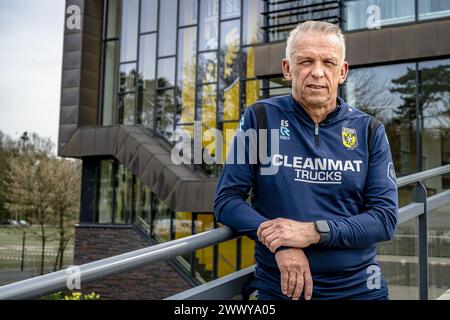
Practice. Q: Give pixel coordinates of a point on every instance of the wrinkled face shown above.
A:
(316, 69)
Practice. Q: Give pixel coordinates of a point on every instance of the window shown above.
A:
(149, 11)
(431, 9)
(128, 37)
(188, 12)
(360, 13)
(105, 192)
(209, 16)
(168, 28)
(146, 81)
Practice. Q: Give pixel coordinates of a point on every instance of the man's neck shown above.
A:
(318, 113)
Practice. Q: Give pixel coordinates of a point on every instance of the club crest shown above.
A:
(349, 138)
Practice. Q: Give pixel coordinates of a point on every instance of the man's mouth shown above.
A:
(315, 86)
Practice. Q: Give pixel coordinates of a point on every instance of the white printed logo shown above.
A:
(73, 22)
(74, 279)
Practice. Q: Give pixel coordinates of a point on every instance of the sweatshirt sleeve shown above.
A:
(378, 220)
(236, 180)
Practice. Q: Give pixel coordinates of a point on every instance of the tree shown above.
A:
(64, 203)
(29, 192)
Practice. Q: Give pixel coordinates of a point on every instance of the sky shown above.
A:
(31, 45)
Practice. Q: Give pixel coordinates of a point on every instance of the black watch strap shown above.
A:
(323, 229)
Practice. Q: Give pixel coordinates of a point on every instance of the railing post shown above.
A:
(420, 196)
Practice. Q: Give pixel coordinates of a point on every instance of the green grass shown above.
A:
(11, 249)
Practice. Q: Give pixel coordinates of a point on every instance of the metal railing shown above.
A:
(230, 285)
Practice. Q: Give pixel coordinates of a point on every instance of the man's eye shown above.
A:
(330, 63)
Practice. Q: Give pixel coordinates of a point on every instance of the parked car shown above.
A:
(24, 223)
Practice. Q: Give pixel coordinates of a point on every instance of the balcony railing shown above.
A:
(230, 285)
(281, 16)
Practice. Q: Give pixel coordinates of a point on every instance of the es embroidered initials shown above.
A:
(284, 130)
(349, 138)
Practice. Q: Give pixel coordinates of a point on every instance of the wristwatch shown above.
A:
(323, 229)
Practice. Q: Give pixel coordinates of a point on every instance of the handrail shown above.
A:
(423, 175)
(56, 281)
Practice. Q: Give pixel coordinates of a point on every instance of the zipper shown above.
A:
(316, 135)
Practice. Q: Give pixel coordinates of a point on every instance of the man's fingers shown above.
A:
(291, 283)
(284, 278)
(299, 287)
(274, 245)
(308, 285)
(265, 233)
(262, 227)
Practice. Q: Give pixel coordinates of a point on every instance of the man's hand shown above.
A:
(295, 273)
(285, 232)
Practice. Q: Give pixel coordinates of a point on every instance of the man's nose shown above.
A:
(317, 71)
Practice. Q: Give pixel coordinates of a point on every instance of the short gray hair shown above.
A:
(314, 26)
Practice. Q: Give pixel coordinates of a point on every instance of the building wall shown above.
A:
(153, 282)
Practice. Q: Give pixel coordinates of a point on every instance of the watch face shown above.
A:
(322, 226)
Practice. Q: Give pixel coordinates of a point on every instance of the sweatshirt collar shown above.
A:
(331, 117)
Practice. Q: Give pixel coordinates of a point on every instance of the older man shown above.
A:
(317, 219)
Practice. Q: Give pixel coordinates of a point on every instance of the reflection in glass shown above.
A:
(209, 17)
(204, 256)
(167, 27)
(129, 31)
(388, 93)
(146, 81)
(435, 113)
(149, 11)
(431, 9)
(165, 113)
(398, 262)
(127, 77)
(188, 12)
(227, 257)
(161, 224)
(391, 12)
(124, 200)
(166, 72)
(253, 21)
(229, 66)
(110, 82)
(186, 74)
(126, 108)
(207, 67)
(230, 9)
(105, 192)
(113, 18)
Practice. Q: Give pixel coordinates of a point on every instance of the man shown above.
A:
(315, 221)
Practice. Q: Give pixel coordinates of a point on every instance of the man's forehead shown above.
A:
(314, 42)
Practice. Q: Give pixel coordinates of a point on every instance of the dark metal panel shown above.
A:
(209, 194)
(87, 116)
(92, 26)
(66, 131)
(381, 45)
(144, 158)
(87, 142)
(88, 97)
(72, 149)
(277, 53)
(91, 44)
(72, 60)
(68, 115)
(73, 41)
(426, 39)
(165, 183)
(262, 56)
(131, 147)
(91, 62)
(71, 78)
(403, 41)
(444, 37)
(70, 96)
(358, 48)
(90, 79)
(102, 141)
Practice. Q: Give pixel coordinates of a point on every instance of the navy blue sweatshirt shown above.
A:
(322, 172)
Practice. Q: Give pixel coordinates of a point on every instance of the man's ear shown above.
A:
(286, 69)
(344, 73)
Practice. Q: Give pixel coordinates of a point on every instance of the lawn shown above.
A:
(11, 249)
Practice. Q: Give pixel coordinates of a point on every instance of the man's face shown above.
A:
(316, 69)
